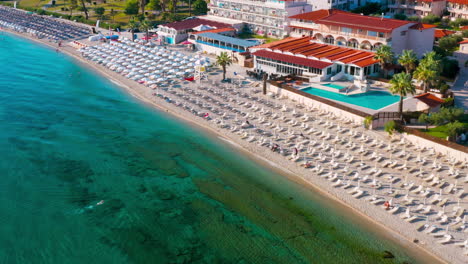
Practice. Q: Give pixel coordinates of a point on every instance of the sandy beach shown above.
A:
(392, 227)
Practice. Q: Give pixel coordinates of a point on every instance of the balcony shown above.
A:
(423, 8)
(304, 25)
(457, 10)
(354, 35)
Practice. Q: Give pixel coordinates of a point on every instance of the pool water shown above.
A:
(373, 100)
(335, 86)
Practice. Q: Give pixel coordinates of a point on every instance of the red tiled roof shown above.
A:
(292, 59)
(216, 30)
(301, 27)
(461, 2)
(429, 99)
(303, 46)
(432, 1)
(315, 15)
(464, 28)
(335, 17)
(465, 41)
(268, 45)
(440, 33)
(195, 22)
(421, 26)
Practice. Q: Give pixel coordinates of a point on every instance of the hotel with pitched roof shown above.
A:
(340, 28)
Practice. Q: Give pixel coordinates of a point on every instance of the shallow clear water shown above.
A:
(373, 99)
(70, 139)
(332, 85)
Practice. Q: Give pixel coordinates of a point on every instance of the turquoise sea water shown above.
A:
(373, 99)
(70, 139)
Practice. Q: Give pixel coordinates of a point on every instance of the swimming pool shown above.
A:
(373, 99)
(335, 86)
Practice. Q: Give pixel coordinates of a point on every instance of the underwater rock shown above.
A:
(388, 254)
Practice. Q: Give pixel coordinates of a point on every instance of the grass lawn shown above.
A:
(441, 131)
(251, 35)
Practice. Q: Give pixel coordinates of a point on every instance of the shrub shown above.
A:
(448, 102)
(368, 121)
(413, 18)
(41, 12)
(449, 68)
(400, 16)
(390, 127)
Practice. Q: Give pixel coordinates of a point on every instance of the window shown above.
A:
(346, 69)
(329, 70)
(403, 33)
(346, 30)
(381, 35)
(372, 33)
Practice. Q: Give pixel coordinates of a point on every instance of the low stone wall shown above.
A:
(448, 148)
(317, 102)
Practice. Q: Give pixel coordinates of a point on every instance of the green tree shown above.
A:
(453, 129)
(465, 33)
(408, 60)
(450, 67)
(449, 44)
(112, 13)
(458, 22)
(223, 60)
(154, 5)
(73, 5)
(200, 7)
(131, 7)
(99, 11)
(401, 84)
(142, 4)
(430, 19)
(84, 9)
(145, 26)
(367, 9)
(451, 114)
(132, 25)
(385, 56)
(424, 118)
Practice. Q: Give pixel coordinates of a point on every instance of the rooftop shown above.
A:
(305, 48)
(429, 99)
(440, 33)
(194, 22)
(230, 40)
(216, 30)
(292, 59)
(333, 17)
(461, 2)
(465, 41)
(421, 26)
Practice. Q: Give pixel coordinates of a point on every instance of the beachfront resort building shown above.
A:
(420, 8)
(179, 31)
(262, 17)
(355, 31)
(457, 9)
(315, 61)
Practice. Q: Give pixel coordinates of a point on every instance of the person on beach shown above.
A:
(296, 151)
(387, 205)
(247, 122)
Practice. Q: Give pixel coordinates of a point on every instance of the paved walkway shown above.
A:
(460, 89)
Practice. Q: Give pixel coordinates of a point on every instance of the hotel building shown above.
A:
(344, 29)
(263, 17)
(420, 8)
(317, 62)
(457, 9)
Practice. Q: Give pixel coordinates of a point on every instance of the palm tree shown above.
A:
(385, 56)
(425, 74)
(223, 60)
(132, 25)
(146, 26)
(408, 60)
(429, 69)
(402, 85)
